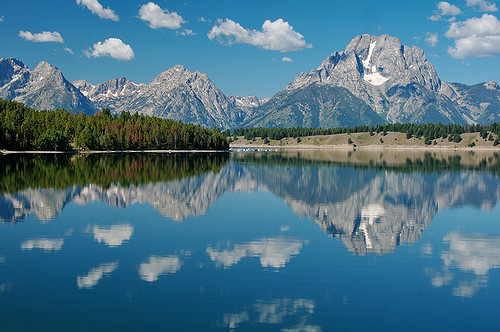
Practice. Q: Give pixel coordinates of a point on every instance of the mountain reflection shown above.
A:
(373, 201)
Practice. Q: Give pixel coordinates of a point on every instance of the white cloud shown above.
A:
(431, 39)
(1, 18)
(44, 244)
(187, 32)
(96, 8)
(159, 18)
(96, 274)
(483, 5)
(158, 266)
(113, 236)
(475, 37)
(69, 50)
(43, 37)
(112, 47)
(275, 36)
(445, 8)
(273, 252)
(286, 59)
(435, 17)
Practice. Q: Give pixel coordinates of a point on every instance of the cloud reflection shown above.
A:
(43, 244)
(96, 274)
(273, 252)
(157, 266)
(474, 254)
(113, 236)
(275, 311)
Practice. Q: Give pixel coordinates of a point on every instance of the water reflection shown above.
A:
(256, 255)
(469, 258)
(272, 252)
(93, 277)
(112, 236)
(373, 202)
(157, 266)
(274, 312)
(43, 244)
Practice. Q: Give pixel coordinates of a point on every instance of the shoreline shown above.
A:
(366, 147)
(112, 151)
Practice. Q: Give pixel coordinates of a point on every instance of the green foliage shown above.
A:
(52, 140)
(349, 141)
(266, 140)
(18, 172)
(381, 140)
(23, 128)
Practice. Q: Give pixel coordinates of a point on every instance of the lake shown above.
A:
(292, 240)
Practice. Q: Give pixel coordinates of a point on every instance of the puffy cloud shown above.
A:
(431, 39)
(96, 274)
(159, 18)
(187, 32)
(157, 266)
(96, 8)
(483, 5)
(286, 59)
(113, 236)
(445, 8)
(275, 36)
(43, 37)
(475, 37)
(273, 252)
(44, 244)
(112, 47)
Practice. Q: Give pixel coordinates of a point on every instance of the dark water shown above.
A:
(292, 241)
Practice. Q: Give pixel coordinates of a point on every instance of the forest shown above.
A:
(61, 171)
(23, 128)
(429, 131)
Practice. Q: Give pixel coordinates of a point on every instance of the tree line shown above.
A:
(23, 128)
(61, 171)
(429, 131)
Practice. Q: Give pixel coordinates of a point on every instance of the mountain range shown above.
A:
(375, 80)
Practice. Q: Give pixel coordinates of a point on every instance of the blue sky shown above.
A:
(102, 39)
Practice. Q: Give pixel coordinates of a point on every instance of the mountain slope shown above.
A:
(393, 80)
(315, 105)
(175, 94)
(41, 88)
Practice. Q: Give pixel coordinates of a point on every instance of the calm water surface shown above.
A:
(309, 240)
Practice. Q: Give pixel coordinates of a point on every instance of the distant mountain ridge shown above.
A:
(375, 80)
(41, 88)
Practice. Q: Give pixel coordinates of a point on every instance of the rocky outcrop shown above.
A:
(41, 88)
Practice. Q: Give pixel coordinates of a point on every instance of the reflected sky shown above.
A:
(281, 242)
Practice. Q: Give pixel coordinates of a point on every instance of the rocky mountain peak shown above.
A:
(41, 88)
(9, 67)
(492, 85)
